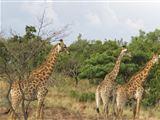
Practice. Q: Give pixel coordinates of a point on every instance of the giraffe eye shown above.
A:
(65, 46)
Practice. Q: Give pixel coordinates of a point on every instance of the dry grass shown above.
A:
(59, 105)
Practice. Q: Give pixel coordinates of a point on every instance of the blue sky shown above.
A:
(95, 20)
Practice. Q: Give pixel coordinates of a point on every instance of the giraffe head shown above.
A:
(124, 51)
(62, 47)
(155, 58)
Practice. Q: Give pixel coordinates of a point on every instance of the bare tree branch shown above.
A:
(42, 23)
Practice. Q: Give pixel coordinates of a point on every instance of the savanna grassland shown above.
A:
(75, 77)
(65, 101)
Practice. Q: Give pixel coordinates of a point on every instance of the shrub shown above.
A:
(82, 97)
(74, 94)
(87, 97)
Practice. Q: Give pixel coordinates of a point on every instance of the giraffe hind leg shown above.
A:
(97, 98)
(27, 106)
(120, 103)
(105, 104)
(15, 103)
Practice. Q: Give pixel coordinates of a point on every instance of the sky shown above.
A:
(95, 20)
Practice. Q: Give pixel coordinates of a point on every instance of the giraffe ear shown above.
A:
(123, 46)
(61, 40)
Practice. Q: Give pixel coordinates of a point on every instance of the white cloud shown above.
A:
(112, 13)
(102, 14)
(135, 24)
(93, 19)
(37, 9)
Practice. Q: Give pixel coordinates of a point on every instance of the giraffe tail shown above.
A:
(97, 95)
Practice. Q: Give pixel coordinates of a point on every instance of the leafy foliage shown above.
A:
(20, 54)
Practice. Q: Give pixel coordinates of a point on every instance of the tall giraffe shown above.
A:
(133, 89)
(105, 88)
(35, 87)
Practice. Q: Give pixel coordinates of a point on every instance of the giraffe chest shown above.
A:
(135, 92)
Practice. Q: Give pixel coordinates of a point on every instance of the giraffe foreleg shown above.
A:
(138, 97)
(38, 114)
(42, 111)
(41, 97)
(121, 113)
(137, 110)
(134, 110)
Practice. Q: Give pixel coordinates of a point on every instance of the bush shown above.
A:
(87, 97)
(74, 94)
(82, 97)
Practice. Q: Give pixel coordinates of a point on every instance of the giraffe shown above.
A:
(105, 88)
(133, 89)
(35, 87)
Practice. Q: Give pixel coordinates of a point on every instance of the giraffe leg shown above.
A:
(105, 104)
(38, 115)
(41, 97)
(42, 111)
(121, 113)
(120, 103)
(16, 99)
(134, 111)
(137, 108)
(105, 107)
(27, 106)
(114, 104)
(138, 97)
(15, 105)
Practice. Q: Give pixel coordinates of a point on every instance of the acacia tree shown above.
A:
(69, 66)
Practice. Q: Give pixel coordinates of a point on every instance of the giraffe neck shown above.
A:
(44, 71)
(142, 75)
(116, 68)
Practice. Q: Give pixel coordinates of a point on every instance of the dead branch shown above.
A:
(42, 23)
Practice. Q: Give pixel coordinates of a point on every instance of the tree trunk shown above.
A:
(76, 81)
